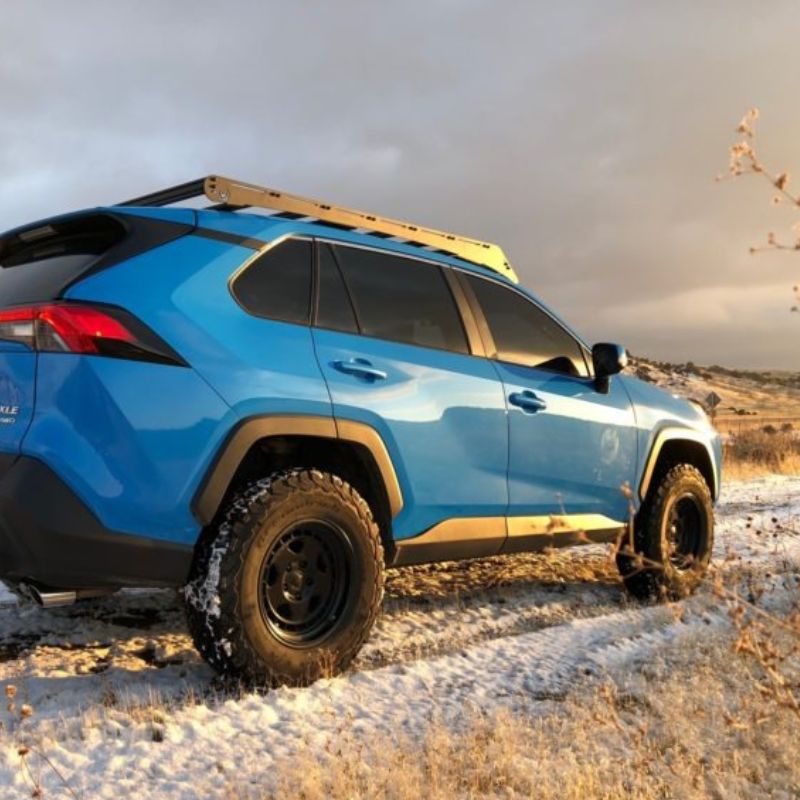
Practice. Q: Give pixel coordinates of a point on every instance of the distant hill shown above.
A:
(749, 397)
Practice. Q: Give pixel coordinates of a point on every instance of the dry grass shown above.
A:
(675, 730)
(751, 453)
(713, 720)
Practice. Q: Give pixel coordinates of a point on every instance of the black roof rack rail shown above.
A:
(165, 197)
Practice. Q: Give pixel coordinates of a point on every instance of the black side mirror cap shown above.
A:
(607, 360)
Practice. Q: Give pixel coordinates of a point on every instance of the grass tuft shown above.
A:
(757, 452)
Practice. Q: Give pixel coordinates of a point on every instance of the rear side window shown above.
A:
(277, 285)
(401, 299)
(37, 263)
(523, 333)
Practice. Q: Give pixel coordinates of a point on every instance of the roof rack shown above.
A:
(232, 195)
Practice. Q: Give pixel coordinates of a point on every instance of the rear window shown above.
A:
(37, 263)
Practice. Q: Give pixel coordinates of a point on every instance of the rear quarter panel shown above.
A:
(17, 394)
(132, 439)
(257, 366)
(136, 440)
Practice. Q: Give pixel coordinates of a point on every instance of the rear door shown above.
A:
(572, 448)
(393, 350)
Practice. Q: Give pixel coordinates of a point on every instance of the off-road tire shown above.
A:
(652, 566)
(229, 615)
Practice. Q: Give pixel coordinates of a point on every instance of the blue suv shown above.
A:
(271, 406)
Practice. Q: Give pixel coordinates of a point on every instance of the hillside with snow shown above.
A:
(746, 397)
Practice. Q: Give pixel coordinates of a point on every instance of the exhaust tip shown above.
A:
(52, 598)
(48, 597)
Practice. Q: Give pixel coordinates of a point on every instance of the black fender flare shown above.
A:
(208, 497)
(671, 434)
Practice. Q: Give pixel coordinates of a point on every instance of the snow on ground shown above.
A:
(122, 702)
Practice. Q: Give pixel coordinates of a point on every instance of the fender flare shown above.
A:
(209, 495)
(677, 434)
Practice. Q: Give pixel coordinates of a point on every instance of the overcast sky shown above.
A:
(582, 136)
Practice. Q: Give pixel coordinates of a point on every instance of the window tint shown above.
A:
(523, 333)
(334, 309)
(277, 285)
(401, 299)
(36, 263)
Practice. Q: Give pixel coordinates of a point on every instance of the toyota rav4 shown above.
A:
(270, 400)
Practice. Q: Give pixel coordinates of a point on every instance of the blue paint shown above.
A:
(575, 455)
(442, 417)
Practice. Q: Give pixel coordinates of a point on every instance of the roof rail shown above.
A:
(230, 195)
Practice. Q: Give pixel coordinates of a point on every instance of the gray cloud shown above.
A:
(581, 136)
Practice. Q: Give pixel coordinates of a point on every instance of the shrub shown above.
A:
(765, 450)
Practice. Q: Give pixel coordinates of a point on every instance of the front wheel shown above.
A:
(672, 539)
(287, 588)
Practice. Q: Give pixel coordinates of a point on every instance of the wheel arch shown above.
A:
(353, 450)
(679, 446)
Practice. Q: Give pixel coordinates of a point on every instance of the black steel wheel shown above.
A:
(304, 579)
(686, 524)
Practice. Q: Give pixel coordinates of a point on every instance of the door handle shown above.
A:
(527, 401)
(361, 368)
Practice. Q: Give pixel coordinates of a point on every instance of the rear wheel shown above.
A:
(287, 588)
(673, 537)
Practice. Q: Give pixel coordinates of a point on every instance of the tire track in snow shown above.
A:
(418, 627)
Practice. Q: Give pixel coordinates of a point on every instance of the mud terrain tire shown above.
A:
(673, 537)
(287, 587)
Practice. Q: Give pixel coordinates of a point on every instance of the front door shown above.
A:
(572, 448)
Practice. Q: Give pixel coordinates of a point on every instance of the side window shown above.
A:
(334, 309)
(277, 285)
(401, 299)
(523, 333)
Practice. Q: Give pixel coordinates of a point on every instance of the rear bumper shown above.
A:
(48, 535)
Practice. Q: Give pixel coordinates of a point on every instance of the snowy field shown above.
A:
(123, 706)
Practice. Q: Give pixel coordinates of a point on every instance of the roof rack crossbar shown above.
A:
(174, 194)
(228, 194)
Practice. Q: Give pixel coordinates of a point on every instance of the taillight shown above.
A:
(79, 328)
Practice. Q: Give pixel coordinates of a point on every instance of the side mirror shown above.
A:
(608, 360)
